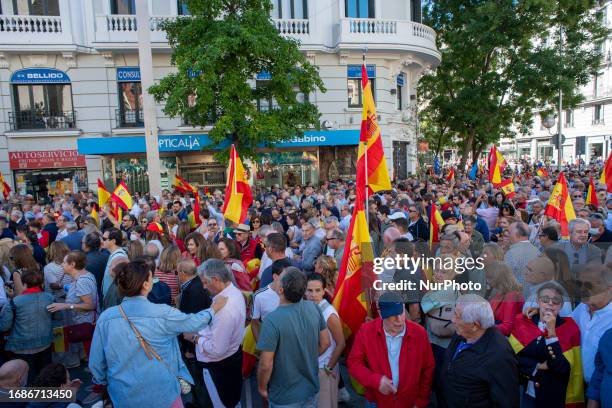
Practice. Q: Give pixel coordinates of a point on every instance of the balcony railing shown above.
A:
(33, 120)
(372, 26)
(30, 24)
(122, 28)
(598, 121)
(129, 118)
(292, 26)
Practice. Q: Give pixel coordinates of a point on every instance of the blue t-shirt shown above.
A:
(292, 333)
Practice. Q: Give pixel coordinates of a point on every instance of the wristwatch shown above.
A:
(71, 307)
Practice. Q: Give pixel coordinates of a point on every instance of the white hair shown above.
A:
(576, 221)
(475, 309)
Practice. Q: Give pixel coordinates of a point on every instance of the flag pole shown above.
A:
(235, 185)
(365, 151)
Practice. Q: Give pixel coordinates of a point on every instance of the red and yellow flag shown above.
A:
(435, 223)
(525, 331)
(238, 197)
(103, 194)
(182, 185)
(560, 205)
(451, 174)
(541, 171)
(591, 197)
(378, 175)
(507, 186)
(122, 197)
(6, 189)
(497, 164)
(606, 174)
(94, 213)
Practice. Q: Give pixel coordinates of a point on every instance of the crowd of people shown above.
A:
(165, 311)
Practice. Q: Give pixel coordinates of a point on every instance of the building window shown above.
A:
(399, 91)
(182, 8)
(359, 8)
(129, 113)
(415, 11)
(290, 9)
(47, 106)
(569, 118)
(598, 118)
(355, 91)
(123, 6)
(263, 104)
(545, 152)
(36, 7)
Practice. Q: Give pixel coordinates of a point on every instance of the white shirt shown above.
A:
(326, 356)
(61, 234)
(266, 261)
(265, 300)
(592, 327)
(222, 338)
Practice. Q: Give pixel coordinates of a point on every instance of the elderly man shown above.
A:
(579, 252)
(521, 251)
(13, 374)
(416, 225)
(479, 365)
(61, 227)
(391, 357)
(312, 248)
(335, 240)
(598, 231)
(480, 225)
(217, 346)
(248, 246)
(74, 236)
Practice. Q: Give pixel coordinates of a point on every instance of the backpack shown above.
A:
(440, 322)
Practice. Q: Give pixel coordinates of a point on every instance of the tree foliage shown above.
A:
(218, 52)
(502, 60)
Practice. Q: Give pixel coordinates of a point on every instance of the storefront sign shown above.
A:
(400, 79)
(128, 74)
(264, 76)
(46, 159)
(178, 143)
(354, 71)
(39, 76)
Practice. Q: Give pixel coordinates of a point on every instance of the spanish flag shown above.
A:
(435, 223)
(238, 196)
(526, 331)
(182, 185)
(122, 196)
(606, 174)
(6, 189)
(103, 194)
(541, 171)
(507, 186)
(378, 175)
(94, 213)
(560, 206)
(451, 174)
(497, 164)
(591, 197)
(249, 352)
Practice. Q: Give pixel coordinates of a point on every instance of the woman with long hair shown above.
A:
(55, 277)
(230, 254)
(193, 242)
(134, 249)
(255, 224)
(326, 266)
(294, 232)
(23, 259)
(182, 231)
(506, 295)
(166, 271)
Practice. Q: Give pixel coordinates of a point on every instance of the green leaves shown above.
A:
(501, 61)
(218, 52)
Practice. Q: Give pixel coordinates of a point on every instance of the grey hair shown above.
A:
(475, 309)
(72, 226)
(452, 238)
(277, 227)
(576, 221)
(315, 222)
(152, 250)
(215, 268)
(89, 228)
(521, 229)
(338, 234)
(596, 216)
(330, 219)
(265, 230)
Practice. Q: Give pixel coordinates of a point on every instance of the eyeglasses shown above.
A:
(256, 221)
(105, 238)
(126, 220)
(212, 225)
(330, 239)
(548, 300)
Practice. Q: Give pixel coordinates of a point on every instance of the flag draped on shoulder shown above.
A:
(238, 197)
(497, 164)
(507, 186)
(122, 196)
(103, 194)
(6, 189)
(525, 331)
(591, 197)
(372, 147)
(606, 174)
(435, 223)
(559, 205)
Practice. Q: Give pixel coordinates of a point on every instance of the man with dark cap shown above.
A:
(391, 357)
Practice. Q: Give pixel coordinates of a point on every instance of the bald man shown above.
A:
(13, 373)
(539, 271)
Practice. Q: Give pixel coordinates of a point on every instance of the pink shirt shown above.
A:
(222, 338)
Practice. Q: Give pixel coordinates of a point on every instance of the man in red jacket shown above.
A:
(391, 357)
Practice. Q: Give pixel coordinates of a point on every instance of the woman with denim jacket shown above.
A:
(133, 376)
(30, 323)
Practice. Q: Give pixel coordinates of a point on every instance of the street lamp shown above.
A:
(549, 121)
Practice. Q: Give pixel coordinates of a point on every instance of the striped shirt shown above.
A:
(170, 279)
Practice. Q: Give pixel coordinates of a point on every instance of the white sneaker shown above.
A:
(343, 395)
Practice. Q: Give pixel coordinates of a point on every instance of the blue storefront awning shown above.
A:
(198, 142)
(39, 76)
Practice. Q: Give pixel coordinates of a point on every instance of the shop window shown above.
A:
(36, 7)
(129, 113)
(123, 6)
(596, 151)
(133, 171)
(290, 9)
(45, 106)
(45, 182)
(354, 86)
(359, 8)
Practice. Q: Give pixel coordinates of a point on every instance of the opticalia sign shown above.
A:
(39, 76)
(182, 142)
(46, 159)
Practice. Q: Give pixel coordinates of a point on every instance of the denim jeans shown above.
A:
(310, 403)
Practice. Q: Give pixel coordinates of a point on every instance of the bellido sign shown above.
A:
(39, 76)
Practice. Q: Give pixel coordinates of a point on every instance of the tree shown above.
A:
(502, 60)
(219, 51)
